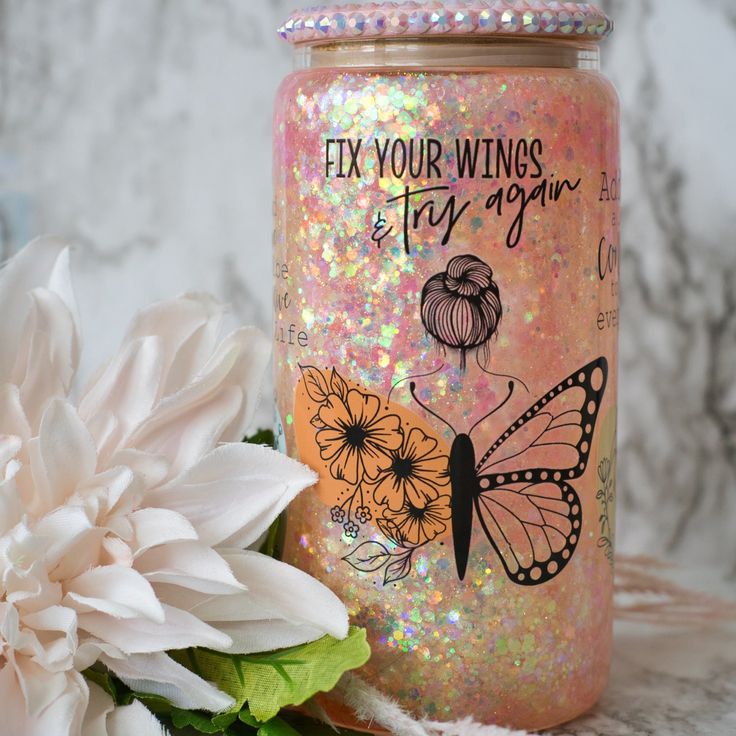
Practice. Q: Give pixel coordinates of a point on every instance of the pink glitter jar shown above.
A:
(446, 306)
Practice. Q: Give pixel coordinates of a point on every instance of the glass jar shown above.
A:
(446, 311)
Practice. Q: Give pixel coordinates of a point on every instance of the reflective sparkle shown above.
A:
(462, 17)
(397, 22)
(440, 21)
(465, 21)
(531, 21)
(565, 22)
(548, 21)
(487, 20)
(419, 21)
(510, 21)
(356, 24)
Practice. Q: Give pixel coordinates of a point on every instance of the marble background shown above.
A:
(140, 130)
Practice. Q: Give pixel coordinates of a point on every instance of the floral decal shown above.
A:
(413, 526)
(395, 477)
(414, 473)
(355, 438)
(606, 493)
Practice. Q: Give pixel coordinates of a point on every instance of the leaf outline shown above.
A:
(363, 561)
(315, 383)
(398, 569)
(338, 385)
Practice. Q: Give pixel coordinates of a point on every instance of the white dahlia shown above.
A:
(125, 514)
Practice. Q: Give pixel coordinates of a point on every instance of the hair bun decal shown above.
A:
(461, 307)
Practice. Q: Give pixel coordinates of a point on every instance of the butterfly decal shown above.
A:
(384, 464)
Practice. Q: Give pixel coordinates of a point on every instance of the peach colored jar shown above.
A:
(446, 310)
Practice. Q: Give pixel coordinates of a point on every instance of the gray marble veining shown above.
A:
(141, 130)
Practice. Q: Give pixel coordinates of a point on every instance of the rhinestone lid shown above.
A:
(524, 18)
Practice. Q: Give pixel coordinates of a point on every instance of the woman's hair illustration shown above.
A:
(461, 307)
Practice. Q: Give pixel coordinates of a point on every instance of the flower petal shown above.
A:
(43, 262)
(10, 445)
(50, 316)
(127, 388)
(298, 599)
(234, 493)
(138, 636)
(89, 651)
(238, 363)
(13, 419)
(265, 636)
(189, 564)
(363, 407)
(11, 509)
(247, 372)
(188, 326)
(39, 686)
(134, 719)
(58, 651)
(95, 717)
(152, 469)
(158, 674)
(62, 715)
(154, 527)
(115, 590)
(193, 432)
(66, 453)
(40, 382)
(65, 529)
(418, 444)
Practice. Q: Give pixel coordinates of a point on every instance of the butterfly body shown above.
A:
(465, 490)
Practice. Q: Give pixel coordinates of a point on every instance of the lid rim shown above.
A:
(457, 18)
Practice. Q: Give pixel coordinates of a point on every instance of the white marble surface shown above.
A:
(140, 130)
(674, 683)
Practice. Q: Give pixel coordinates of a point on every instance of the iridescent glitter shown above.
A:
(528, 656)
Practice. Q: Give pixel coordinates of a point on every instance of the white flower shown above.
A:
(124, 516)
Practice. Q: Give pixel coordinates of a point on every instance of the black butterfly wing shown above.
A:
(526, 505)
(552, 439)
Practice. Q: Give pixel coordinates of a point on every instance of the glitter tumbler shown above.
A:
(446, 258)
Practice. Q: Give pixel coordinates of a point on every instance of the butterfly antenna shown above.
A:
(418, 375)
(501, 375)
(412, 388)
(493, 411)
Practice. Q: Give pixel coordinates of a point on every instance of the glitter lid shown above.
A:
(476, 18)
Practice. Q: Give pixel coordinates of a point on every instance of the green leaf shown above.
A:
(122, 694)
(225, 720)
(248, 718)
(277, 727)
(261, 437)
(307, 726)
(104, 679)
(157, 704)
(271, 545)
(269, 681)
(201, 721)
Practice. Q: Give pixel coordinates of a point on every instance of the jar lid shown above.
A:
(471, 18)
